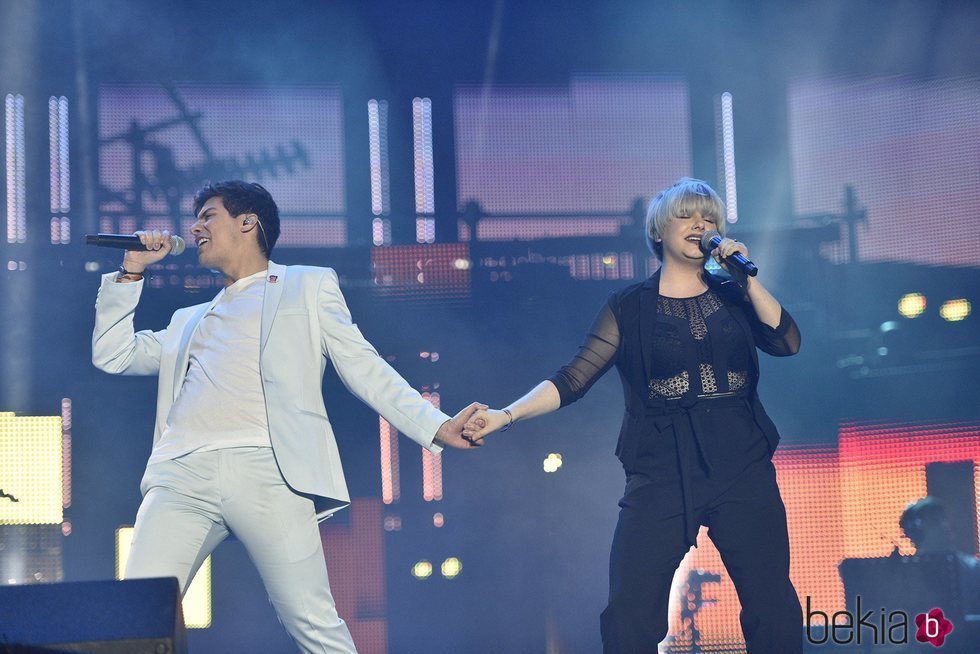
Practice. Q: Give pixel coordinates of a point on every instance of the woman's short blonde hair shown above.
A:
(685, 197)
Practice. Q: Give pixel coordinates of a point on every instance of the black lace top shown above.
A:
(699, 351)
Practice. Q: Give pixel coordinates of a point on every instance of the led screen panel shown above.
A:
(160, 143)
(911, 151)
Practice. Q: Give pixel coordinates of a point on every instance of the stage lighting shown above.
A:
(380, 179)
(431, 465)
(381, 231)
(912, 305)
(438, 520)
(422, 570)
(726, 155)
(425, 224)
(60, 176)
(31, 470)
(390, 480)
(955, 310)
(16, 167)
(451, 567)
(552, 462)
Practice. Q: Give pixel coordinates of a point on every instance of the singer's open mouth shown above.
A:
(202, 241)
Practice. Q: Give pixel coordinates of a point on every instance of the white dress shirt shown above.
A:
(221, 402)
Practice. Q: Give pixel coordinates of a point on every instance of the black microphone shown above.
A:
(129, 242)
(712, 239)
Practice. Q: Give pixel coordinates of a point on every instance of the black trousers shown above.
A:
(746, 522)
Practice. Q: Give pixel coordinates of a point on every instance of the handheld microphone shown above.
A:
(712, 239)
(129, 242)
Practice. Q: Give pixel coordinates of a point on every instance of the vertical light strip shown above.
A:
(21, 170)
(425, 229)
(64, 177)
(422, 143)
(11, 160)
(378, 137)
(16, 190)
(431, 464)
(381, 231)
(626, 265)
(380, 177)
(58, 166)
(727, 157)
(374, 152)
(390, 482)
(431, 476)
(424, 170)
(66, 452)
(53, 167)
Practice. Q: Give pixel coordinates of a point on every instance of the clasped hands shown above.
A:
(468, 427)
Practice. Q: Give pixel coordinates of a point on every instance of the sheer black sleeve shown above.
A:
(780, 341)
(595, 356)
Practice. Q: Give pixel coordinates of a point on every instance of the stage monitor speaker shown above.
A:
(136, 616)
(914, 584)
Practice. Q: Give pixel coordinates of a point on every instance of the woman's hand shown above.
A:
(483, 423)
(451, 432)
(541, 399)
(727, 248)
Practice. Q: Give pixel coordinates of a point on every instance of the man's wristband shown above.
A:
(135, 276)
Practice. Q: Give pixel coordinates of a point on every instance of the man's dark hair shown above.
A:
(245, 197)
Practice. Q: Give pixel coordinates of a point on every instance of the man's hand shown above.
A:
(157, 247)
(450, 433)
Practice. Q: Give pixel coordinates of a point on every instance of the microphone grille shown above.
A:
(706, 239)
(177, 245)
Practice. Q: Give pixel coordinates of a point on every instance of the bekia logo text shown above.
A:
(877, 627)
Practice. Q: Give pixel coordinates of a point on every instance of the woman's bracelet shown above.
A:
(511, 423)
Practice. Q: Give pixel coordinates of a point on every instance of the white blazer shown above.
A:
(305, 321)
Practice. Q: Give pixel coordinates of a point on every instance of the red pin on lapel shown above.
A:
(273, 279)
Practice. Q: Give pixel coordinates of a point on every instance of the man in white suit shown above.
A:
(242, 441)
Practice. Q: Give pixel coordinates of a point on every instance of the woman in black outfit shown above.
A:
(696, 443)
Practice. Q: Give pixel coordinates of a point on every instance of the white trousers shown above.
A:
(191, 503)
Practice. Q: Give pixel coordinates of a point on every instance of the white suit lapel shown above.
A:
(274, 282)
(183, 352)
